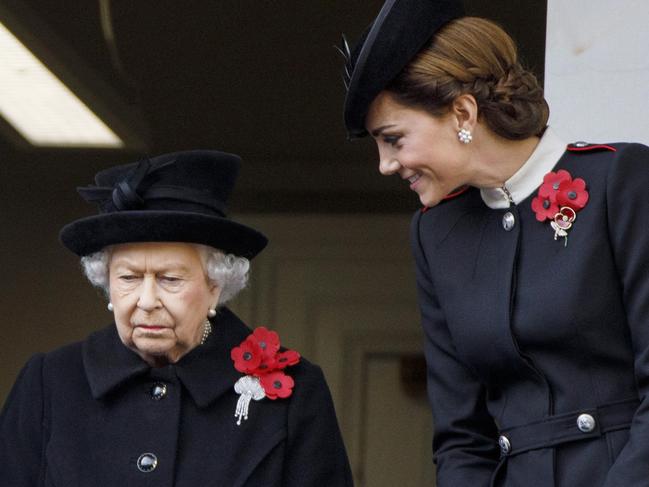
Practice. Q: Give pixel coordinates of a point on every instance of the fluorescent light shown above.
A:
(40, 107)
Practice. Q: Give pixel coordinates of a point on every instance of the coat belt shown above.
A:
(566, 427)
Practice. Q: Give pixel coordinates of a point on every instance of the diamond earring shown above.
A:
(465, 136)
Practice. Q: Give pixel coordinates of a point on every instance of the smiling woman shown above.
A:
(537, 349)
(468, 85)
(159, 395)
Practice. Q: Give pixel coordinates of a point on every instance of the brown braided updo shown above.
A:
(475, 56)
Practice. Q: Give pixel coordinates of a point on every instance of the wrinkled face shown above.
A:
(161, 297)
(421, 148)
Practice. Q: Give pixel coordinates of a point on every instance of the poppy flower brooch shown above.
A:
(559, 199)
(258, 357)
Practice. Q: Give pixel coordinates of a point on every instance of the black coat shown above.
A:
(524, 334)
(82, 416)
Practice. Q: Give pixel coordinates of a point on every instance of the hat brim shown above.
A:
(91, 234)
(398, 33)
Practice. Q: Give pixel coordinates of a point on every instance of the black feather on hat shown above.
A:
(398, 33)
(179, 197)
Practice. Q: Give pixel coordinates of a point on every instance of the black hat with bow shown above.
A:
(398, 33)
(179, 197)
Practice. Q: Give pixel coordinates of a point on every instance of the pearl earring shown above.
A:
(465, 136)
(110, 307)
(211, 312)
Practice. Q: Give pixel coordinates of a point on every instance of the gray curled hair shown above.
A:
(228, 271)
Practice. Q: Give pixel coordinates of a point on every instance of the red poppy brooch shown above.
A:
(258, 357)
(559, 199)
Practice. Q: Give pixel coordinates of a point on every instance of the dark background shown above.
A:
(258, 78)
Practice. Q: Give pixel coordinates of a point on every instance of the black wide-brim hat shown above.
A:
(179, 197)
(399, 32)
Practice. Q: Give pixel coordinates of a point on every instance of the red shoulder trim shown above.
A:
(584, 147)
(455, 193)
(449, 196)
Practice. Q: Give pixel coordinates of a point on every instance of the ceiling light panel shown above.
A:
(40, 107)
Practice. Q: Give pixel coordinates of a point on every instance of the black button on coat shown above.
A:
(521, 328)
(84, 415)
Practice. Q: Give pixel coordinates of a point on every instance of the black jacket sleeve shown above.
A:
(316, 453)
(464, 446)
(628, 222)
(21, 429)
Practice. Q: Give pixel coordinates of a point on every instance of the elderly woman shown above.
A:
(531, 255)
(178, 391)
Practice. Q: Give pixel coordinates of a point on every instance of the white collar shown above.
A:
(530, 175)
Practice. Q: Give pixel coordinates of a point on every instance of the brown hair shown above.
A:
(475, 56)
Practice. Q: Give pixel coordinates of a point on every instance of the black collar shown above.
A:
(206, 372)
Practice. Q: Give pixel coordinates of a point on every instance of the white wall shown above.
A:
(340, 289)
(597, 69)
